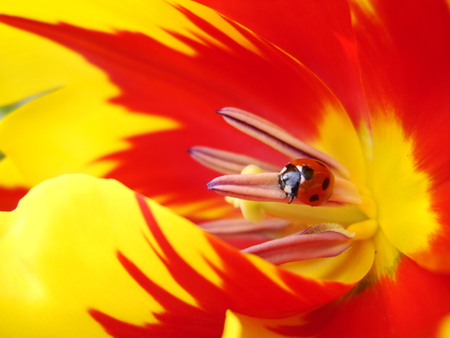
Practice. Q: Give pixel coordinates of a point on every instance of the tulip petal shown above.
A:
(406, 79)
(81, 251)
(137, 80)
(317, 33)
(58, 258)
(232, 292)
(404, 306)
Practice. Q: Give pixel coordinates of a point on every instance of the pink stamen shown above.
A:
(226, 162)
(304, 245)
(278, 138)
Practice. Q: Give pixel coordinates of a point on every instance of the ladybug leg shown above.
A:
(291, 197)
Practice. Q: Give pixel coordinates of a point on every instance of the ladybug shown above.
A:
(307, 179)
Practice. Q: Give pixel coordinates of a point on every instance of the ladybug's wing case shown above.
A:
(309, 180)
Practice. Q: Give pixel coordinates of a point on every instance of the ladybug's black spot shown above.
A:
(307, 172)
(314, 198)
(325, 183)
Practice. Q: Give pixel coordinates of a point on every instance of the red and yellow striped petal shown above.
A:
(127, 97)
(82, 251)
(406, 77)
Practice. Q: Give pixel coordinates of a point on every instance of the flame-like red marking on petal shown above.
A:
(189, 321)
(245, 289)
(156, 79)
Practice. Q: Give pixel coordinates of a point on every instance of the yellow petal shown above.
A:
(58, 261)
(81, 251)
(9, 175)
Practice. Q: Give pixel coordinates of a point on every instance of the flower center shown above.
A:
(308, 209)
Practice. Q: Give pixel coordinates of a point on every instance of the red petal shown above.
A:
(317, 33)
(411, 304)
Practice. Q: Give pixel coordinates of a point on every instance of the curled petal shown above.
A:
(226, 162)
(321, 240)
(277, 138)
(265, 187)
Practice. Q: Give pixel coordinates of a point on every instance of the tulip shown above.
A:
(109, 136)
